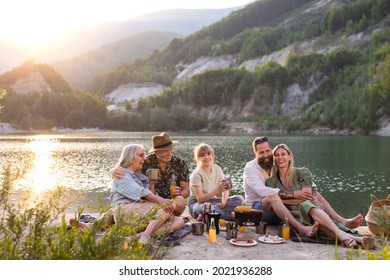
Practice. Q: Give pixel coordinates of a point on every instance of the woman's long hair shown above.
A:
(200, 151)
(128, 155)
(290, 176)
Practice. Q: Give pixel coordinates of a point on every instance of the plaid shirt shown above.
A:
(176, 166)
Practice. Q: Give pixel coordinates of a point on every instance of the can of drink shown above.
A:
(228, 183)
(153, 174)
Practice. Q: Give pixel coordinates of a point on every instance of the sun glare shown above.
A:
(39, 22)
(40, 178)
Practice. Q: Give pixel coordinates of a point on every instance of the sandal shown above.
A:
(350, 243)
(368, 242)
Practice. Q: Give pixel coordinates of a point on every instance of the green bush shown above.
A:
(35, 228)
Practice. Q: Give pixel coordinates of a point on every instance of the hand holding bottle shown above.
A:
(174, 190)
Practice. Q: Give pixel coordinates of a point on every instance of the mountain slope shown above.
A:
(38, 97)
(33, 78)
(309, 64)
(84, 39)
(91, 37)
(315, 66)
(79, 70)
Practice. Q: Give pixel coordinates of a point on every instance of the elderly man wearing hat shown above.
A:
(172, 169)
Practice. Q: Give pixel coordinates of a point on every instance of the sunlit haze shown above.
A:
(40, 176)
(41, 21)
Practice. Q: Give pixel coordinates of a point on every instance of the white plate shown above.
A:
(243, 243)
(271, 239)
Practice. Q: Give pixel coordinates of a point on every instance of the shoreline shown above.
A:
(7, 128)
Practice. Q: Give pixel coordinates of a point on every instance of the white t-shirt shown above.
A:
(254, 178)
(208, 181)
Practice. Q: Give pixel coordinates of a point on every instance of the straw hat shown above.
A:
(162, 142)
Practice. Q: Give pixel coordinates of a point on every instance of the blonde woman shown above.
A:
(206, 181)
(289, 178)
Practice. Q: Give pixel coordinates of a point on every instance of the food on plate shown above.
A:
(235, 240)
(272, 238)
(243, 208)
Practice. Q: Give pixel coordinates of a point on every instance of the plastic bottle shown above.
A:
(212, 232)
(286, 229)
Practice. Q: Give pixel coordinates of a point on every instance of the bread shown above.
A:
(242, 240)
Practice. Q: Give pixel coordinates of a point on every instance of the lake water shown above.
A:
(347, 169)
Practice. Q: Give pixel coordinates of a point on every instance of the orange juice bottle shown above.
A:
(212, 232)
(286, 229)
(172, 186)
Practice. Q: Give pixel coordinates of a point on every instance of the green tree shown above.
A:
(380, 9)
(51, 106)
(350, 28)
(3, 93)
(198, 122)
(245, 86)
(128, 105)
(15, 108)
(335, 19)
(93, 106)
(159, 119)
(384, 82)
(179, 117)
(363, 23)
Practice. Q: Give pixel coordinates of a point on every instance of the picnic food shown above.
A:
(242, 240)
(271, 238)
(222, 222)
(242, 208)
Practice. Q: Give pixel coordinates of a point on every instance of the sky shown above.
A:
(36, 22)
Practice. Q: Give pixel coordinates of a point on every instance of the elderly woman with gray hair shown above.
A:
(131, 194)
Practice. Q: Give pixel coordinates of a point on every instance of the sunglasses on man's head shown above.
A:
(261, 140)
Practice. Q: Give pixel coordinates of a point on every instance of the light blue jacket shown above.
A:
(130, 188)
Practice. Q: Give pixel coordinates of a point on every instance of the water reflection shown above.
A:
(40, 177)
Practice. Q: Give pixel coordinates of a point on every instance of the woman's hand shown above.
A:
(168, 205)
(303, 195)
(117, 173)
(222, 186)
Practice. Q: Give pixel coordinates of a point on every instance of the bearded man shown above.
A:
(256, 172)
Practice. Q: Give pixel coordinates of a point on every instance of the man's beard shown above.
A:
(266, 162)
(164, 158)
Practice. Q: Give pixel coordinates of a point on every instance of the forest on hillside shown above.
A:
(354, 93)
(62, 106)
